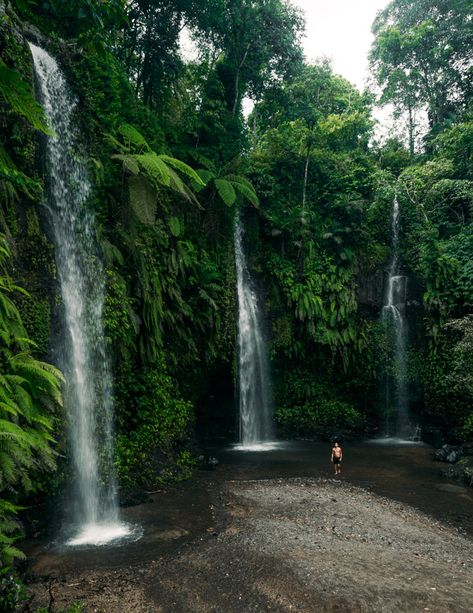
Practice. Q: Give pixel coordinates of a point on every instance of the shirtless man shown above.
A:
(336, 458)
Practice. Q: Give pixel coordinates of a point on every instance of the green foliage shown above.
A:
(324, 418)
(19, 96)
(307, 407)
(149, 172)
(154, 424)
(229, 186)
(29, 392)
(12, 592)
(420, 55)
(467, 429)
(77, 607)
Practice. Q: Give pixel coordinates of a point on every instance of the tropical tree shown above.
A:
(421, 56)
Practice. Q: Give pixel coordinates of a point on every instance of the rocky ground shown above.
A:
(289, 543)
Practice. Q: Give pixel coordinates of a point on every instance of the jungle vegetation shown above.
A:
(173, 157)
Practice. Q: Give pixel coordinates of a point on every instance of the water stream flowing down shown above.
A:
(82, 352)
(394, 317)
(255, 406)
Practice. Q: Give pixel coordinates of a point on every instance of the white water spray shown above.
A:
(255, 406)
(82, 354)
(396, 324)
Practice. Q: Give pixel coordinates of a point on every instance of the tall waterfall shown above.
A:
(255, 407)
(82, 352)
(394, 317)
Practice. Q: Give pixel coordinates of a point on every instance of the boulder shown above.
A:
(449, 453)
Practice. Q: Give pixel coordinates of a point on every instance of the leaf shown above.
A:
(182, 167)
(129, 163)
(154, 167)
(205, 175)
(225, 191)
(133, 136)
(143, 200)
(247, 193)
(175, 226)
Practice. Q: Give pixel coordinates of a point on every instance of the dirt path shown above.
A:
(263, 535)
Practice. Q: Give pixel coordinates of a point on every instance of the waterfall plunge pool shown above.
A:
(103, 533)
(260, 446)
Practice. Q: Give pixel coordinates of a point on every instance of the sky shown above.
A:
(341, 30)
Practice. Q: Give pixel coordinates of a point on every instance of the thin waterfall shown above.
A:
(394, 317)
(254, 396)
(82, 352)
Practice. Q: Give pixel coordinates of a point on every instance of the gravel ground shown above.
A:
(292, 544)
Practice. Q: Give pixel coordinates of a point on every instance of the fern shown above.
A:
(133, 137)
(183, 168)
(247, 192)
(226, 191)
(161, 170)
(28, 390)
(143, 199)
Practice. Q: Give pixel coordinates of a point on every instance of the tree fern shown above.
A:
(226, 191)
(143, 199)
(229, 186)
(160, 170)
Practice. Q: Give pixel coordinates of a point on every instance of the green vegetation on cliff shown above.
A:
(172, 157)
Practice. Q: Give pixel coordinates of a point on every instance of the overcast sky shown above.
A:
(340, 30)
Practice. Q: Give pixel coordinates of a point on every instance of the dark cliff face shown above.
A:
(370, 293)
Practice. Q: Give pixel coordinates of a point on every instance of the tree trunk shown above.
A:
(304, 186)
(237, 99)
(411, 131)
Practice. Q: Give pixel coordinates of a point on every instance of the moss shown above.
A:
(35, 313)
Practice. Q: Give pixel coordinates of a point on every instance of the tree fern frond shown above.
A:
(206, 176)
(247, 193)
(202, 159)
(133, 137)
(182, 167)
(129, 162)
(226, 191)
(154, 167)
(143, 199)
(239, 179)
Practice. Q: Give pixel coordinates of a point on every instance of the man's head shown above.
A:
(335, 444)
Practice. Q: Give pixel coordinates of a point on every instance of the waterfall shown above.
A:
(82, 352)
(255, 407)
(396, 397)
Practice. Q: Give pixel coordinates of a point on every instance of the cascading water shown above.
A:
(396, 396)
(255, 406)
(82, 354)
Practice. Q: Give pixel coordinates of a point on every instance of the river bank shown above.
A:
(275, 531)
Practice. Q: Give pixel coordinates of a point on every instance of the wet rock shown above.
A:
(449, 453)
(207, 462)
